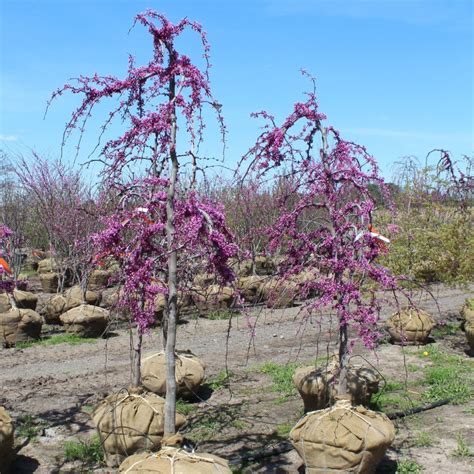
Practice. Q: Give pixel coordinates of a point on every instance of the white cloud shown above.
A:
(8, 138)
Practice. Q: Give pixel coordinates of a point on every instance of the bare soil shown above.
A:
(58, 385)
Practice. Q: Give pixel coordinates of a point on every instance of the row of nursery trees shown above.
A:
(301, 193)
(48, 205)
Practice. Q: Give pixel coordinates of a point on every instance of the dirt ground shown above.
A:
(56, 384)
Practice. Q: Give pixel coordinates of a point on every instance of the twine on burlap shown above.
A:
(328, 451)
(174, 455)
(191, 379)
(117, 431)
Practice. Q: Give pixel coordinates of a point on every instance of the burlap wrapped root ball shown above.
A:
(467, 311)
(279, 294)
(410, 326)
(20, 325)
(54, 308)
(49, 282)
(25, 299)
(6, 440)
(74, 297)
(250, 288)
(362, 383)
(99, 279)
(174, 461)
(342, 438)
(5, 304)
(130, 422)
(317, 389)
(85, 321)
(213, 298)
(189, 373)
(469, 330)
(313, 384)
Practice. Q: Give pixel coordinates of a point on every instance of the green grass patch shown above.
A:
(449, 329)
(221, 314)
(393, 401)
(27, 426)
(284, 429)
(447, 378)
(87, 408)
(208, 424)
(240, 424)
(89, 452)
(423, 440)
(282, 378)
(185, 408)
(462, 449)
(221, 380)
(408, 466)
(71, 339)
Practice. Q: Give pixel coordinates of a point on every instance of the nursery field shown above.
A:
(178, 299)
(241, 414)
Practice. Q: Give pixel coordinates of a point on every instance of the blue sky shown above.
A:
(396, 76)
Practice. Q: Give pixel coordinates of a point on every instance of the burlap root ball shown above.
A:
(467, 311)
(85, 321)
(5, 304)
(99, 279)
(109, 298)
(6, 440)
(74, 297)
(410, 326)
(47, 265)
(130, 422)
(20, 325)
(312, 384)
(25, 299)
(280, 294)
(49, 282)
(317, 389)
(362, 383)
(342, 438)
(184, 302)
(250, 288)
(173, 461)
(54, 308)
(189, 373)
(213, 298)
(469, 330)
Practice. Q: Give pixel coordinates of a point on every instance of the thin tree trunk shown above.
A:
(343, 352)
(170, 336)
(137, 357)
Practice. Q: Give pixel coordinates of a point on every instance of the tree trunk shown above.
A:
(170, 336)
(137, 358)
(342, 387)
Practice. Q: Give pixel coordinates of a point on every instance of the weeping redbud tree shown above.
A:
(325, 222)
(161, 228)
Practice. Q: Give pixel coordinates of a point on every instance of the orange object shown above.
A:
(5, 266)
(380, 240)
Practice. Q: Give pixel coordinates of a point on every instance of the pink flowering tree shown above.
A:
(65, 208)
(327, 226)
(249, 208)
(161, 230)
